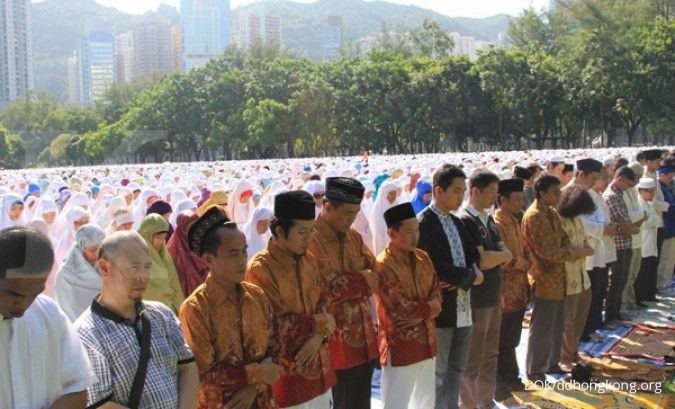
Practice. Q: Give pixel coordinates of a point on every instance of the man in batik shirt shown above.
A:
(409, 299)
(289, 276)
(227, 322)
(346, 266)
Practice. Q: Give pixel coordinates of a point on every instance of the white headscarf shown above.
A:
(313, 187)
(185, 204)
(240, 212)
(256, 241)
(378, 227)
(8, 200)
(78, 282)
(104, 218)
(142, 206)
(68, 231)
(47, 205)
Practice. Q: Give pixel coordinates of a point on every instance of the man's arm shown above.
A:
(188, 385)
(490, 259)
(75, 400)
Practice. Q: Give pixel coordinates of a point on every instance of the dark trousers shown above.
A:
(617, 281)
(645, 285)
(599, 279)
(509, 339)
(353, 387)
(546, 332)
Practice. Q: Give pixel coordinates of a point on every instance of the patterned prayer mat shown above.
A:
(645, 341)
(579, 399)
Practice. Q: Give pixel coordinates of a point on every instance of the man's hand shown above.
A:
(408, 322)
(244, 398)
(309, 350)
(372, 279)
(522, 264)
(325, 323)
(609, 229)
(270, 372)
(447, 286)
(581, 252)
(479, 277)
(435, 308)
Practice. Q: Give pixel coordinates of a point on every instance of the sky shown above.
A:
(453, 8)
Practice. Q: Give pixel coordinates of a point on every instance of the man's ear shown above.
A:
(391, 233)
(208, 259)
(104, 267)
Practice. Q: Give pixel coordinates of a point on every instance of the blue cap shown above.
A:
(664, 169)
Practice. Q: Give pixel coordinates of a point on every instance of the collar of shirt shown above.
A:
(616, 190)
(438, 211)
(482, 216)
(103, 311)
(401, 256)
(218, 294)
(284, 257)
(503, 217)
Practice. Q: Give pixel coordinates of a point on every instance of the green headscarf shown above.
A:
(163, 285)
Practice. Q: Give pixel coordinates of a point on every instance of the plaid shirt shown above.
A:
(113, 345)
(618, 212)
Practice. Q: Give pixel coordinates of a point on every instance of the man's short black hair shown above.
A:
(336, 204)
(544, 183)
(482, 179)
(446, 174)
(640, 156)
(621, 162)
(211, 241)
(285, 224)
(625, 172)
(26, 250)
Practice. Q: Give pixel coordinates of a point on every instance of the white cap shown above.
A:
(124, 218)
(646, 183)
(557, 159)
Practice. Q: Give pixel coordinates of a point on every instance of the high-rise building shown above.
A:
(73, 67)
(176, 47)
(16, 53)
(124, 57)
(97, 65)
(152, 46)
(248, 31)
(331, 38)
(255, 28)
(206, 30)
(273, 30)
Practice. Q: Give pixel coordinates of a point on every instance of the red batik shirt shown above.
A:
(408, 285)
(292, 285)
(341, 258)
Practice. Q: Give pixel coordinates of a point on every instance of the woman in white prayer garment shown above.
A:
(257, 230)
(12, 209)
(74, 219)
(78, 281)
(387, 197)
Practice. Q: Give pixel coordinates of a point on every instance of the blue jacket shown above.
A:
(669, 216)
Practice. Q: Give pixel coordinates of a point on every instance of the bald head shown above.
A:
(120, 243)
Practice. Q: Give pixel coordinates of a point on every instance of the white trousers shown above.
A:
(666, 263)
(409, 387)
(324, 401)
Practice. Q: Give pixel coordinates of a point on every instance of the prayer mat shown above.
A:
(645, 341)
(579, 399)
(627, 370)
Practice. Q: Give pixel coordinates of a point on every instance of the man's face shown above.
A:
(647, 194)
(551, 196)
(17, 294)
(342, 217)
(229, 262)
(127, 275)
(485, 198)
(566, 178)
(452, 197)
(407, 236)
(653, 165)
(590, 179)
(514, 204)
(299, 236)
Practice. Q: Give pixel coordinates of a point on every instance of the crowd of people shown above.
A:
(284, 284)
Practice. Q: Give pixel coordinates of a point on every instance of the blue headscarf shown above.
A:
(377, 183)
(422, 189)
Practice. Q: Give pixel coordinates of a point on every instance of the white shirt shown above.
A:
(648, 230)
(594, 226)
(630, 197)
(660, 206)
(41, 358)
(610, 247)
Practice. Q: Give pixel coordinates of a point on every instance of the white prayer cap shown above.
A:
(556, 159)
(124, 218)
(646, 183)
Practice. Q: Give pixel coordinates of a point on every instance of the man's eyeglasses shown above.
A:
(135, 271)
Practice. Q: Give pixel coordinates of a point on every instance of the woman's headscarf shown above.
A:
(256, 241)
(418, 202)
(47, 205)
(378, 183)
(78, 281)
(161, 208)
(217, 198)
(183, 205)
(67, 232)
(142, 206)
(378, 226)
(105, 217)
(237, 211)
(192, 270)
(163, 285)
(9, 200)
